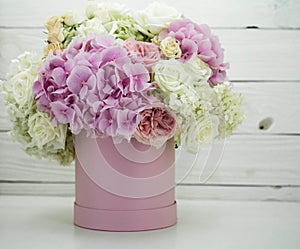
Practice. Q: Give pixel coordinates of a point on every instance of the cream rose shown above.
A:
(170, 47)
(156, 17)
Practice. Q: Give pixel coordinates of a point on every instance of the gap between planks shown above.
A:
(205, 192)
(179, 184)
(212, 27)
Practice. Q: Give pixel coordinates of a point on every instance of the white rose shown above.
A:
(170, 76)
(170, 47)
(198, 70)
(197, 131)
(71, 17)
(21, 88)
(115, 11)
(59, 142)
(189, 133)
(43, 132)
(106, 11)
(93, 26)
(156, 17)
(14, 112)
(91, 9)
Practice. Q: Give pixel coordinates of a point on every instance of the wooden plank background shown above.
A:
(262, 43)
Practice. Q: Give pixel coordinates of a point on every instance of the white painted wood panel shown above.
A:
(40, 188)
(253, 54)
(279, 101)
(238, 192)
(218, 13)
(244, 162)
(17, 165)
(4, 122)
(252, 160)
(262, 54)
(264, 67)
(14, 42)
(270, 103)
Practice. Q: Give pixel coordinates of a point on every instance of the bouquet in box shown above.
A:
(152, 75)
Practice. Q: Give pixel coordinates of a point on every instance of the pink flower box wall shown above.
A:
(124, 187)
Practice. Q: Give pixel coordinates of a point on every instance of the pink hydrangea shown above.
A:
(198, 39)
(93, 85)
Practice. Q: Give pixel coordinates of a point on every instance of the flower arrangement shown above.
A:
(152, 75)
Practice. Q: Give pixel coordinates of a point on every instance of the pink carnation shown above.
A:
(143, 52)
(156, 127)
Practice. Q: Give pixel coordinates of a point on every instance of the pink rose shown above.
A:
(143, 52)
(156, 127)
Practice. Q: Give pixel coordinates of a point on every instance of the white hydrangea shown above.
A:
(32, 128)
(18, 86)
(228, 107)
(186, 91)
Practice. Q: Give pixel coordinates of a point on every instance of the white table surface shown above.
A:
(47, 222)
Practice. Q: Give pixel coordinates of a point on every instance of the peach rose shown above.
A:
(54, 26)
(53, 47)
(143, 52)
(156, 127)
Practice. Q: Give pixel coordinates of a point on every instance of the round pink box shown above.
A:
(124, 187)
